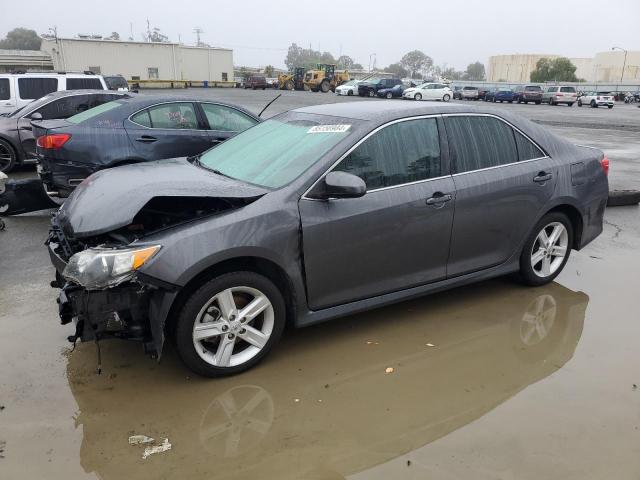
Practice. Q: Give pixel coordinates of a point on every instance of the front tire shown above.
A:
(229, 324)
(350, 93)
(389, 95)
(417, 96)
(593, 104)
(547, 250)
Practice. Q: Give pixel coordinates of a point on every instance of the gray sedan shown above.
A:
(314, 214)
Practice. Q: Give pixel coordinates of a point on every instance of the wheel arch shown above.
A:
(575, 217)
(255, 264)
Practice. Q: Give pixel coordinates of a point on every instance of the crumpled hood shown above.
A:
(409, 90)
(110, 199)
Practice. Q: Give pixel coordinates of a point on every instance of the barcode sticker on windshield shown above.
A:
(329, 129)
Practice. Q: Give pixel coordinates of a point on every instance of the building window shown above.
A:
(95, 70)
(224, 76)
(152, 73)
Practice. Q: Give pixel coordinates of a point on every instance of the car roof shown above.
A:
(138, 102)
(384, 111)
(68, 93)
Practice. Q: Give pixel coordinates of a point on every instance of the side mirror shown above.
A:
(36, 116)
(340, 185)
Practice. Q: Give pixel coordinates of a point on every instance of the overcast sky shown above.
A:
(455, 32)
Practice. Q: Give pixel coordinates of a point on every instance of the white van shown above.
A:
(20, 89)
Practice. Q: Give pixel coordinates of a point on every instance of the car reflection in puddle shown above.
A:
(322, 405)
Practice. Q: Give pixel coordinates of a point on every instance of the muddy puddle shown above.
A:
(331, 400)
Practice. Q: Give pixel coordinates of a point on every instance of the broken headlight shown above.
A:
(97, 268)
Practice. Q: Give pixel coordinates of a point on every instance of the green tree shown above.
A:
(475, 71)
(21, 39)
(559, 69)
(306, 57)
(416, 62)
(397, 70)
(450, 73)
(346, 62)
(268, 71)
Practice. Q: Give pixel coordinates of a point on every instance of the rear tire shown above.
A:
(207, 355)
(8, 157)
(610, 106)
(570, 104)
(579, 103)
(446, 97)
(539, 263)
(593, 104)
(372, 93)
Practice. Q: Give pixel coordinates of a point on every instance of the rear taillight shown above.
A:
(605, 165)
(53, 142)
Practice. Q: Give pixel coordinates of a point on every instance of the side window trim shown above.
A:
(513, 130)
(445, 164)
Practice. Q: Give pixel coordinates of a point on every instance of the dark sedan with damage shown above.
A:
(132, 130)
(17, 142)
(314, 214)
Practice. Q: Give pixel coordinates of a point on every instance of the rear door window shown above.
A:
(226, 119)
(84, 84)
(32, 88)
(400, 153)
(527, 150)
(480, 142)
(5, 94)
(179, 116)
(568, 89)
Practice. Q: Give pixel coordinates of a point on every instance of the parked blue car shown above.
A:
(394, 92)
(504, 95)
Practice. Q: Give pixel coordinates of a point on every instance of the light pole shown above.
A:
(370, 57)
(624, 63)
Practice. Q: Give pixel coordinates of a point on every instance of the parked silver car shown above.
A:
(560, 94)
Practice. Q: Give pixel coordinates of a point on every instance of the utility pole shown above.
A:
(148, 31)
(131, 31)
(624, 63)
(198, 31)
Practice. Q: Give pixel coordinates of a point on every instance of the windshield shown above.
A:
(277, 151)
(533, 88)
(116, 82)
(92, 112)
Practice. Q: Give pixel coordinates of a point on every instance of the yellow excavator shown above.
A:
(325, 77)
(293, 80)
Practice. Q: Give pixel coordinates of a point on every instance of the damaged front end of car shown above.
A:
(99, 243)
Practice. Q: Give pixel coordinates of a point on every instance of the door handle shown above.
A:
(438, 198)
(542, 177)
(146, 139)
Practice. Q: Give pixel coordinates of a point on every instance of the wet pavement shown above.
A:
(493, 380)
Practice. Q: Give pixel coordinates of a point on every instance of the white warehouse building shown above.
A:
(141, 60)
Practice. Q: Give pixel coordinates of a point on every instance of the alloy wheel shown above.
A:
(233, 326)
(549, 249)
